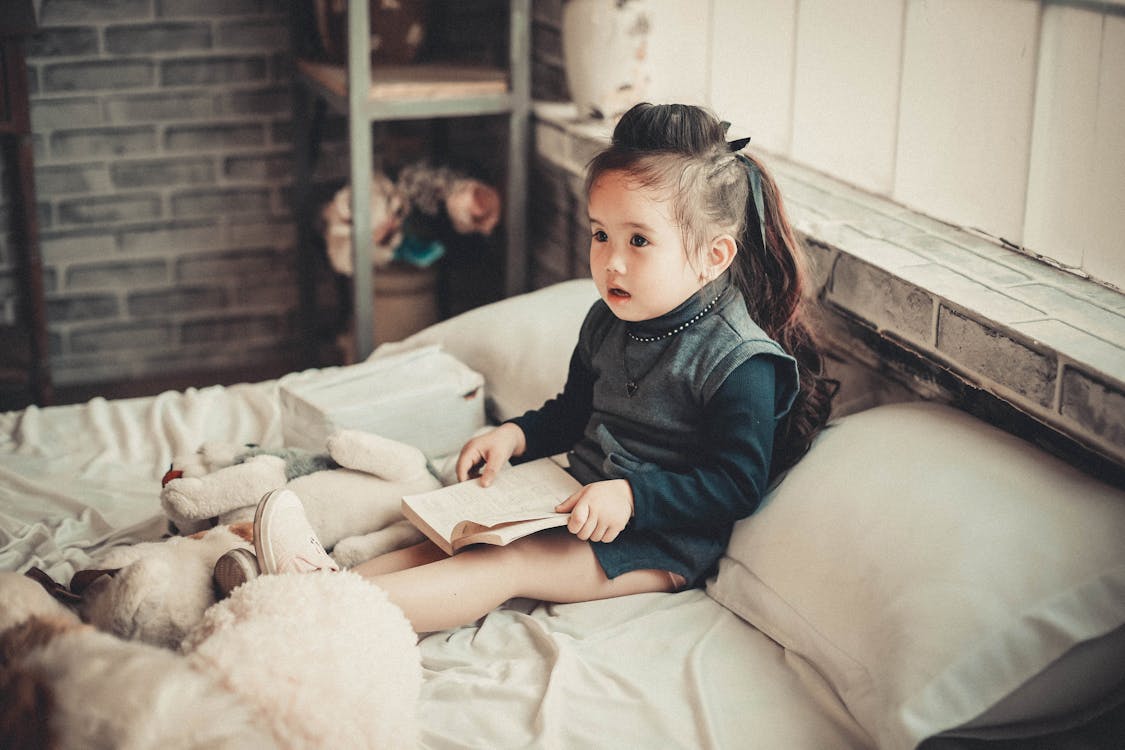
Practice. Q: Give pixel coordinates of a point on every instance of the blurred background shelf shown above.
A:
(368, 93)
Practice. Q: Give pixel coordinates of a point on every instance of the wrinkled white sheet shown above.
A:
(75, 478)
(648, 671)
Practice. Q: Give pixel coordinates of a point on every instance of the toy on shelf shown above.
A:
(404, 213)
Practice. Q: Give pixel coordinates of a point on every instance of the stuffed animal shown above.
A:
(156, 592)
(274, 666)
(352, 494)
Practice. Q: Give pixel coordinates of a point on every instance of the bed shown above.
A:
(919, 579)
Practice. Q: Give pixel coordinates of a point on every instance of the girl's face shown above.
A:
(637, 255)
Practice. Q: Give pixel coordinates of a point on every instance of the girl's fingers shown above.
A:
(568, 505)
(588, 528)
(578, 518)
(467, 460)
(488, 473)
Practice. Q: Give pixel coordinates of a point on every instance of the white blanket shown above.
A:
(648, 671)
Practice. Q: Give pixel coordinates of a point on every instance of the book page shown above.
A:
(518, 493)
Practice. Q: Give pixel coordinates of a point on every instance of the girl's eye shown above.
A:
(600, 236)
(638, 241)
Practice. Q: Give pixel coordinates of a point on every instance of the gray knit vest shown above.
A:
(674, 376)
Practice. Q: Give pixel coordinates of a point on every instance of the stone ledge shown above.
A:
(1046, 341)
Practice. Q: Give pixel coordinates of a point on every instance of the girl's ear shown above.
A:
(719, 256)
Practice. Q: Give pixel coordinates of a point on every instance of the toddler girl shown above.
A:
(695, 381)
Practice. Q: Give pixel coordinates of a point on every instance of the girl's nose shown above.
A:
(614, 262)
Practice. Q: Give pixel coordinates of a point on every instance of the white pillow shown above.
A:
(930, 566)
(521, 345)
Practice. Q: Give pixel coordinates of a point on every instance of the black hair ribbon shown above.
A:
(755, 180)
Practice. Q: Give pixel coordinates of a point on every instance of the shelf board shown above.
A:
(415, 91)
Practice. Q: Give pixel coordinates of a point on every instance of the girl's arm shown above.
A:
(734, 460)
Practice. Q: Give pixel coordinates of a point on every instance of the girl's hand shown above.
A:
(599, 511)
(492, 449)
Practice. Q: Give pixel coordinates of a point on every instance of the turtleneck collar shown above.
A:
(684, 314)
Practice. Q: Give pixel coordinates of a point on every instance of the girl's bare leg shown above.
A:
(442, 592)
(400, 559)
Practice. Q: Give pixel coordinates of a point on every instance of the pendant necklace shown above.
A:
(633, 383)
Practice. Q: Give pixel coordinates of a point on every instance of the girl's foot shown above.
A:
(284, 539)
(233, 569)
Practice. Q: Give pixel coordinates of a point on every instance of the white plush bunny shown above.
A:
(352, 494)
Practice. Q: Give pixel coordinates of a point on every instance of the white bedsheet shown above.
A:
(648, 671)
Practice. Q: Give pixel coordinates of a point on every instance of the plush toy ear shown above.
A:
(53, 587)
(79, 582)
(83, 578)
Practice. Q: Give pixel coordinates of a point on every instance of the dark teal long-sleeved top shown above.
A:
(694, 438)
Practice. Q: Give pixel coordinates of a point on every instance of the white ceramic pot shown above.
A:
(605, 46)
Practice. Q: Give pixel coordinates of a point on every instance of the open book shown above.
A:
(520, 501)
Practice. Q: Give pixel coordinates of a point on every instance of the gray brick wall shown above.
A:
(156, 127)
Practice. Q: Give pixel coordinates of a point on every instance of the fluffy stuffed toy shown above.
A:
(275, 665)
(156, 592)
(352, 494)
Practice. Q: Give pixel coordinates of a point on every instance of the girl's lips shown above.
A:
(618, 293)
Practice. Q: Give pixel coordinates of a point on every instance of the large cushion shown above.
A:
(933, 568)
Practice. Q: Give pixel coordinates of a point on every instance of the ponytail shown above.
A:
(772, 278)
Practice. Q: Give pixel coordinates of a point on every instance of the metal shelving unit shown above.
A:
(369, 94)
(25, 362)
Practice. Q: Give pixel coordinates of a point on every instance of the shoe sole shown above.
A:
(266, 561)
(233, 569)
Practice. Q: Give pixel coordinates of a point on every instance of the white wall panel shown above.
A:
(752, 68)
(678, 52)
(1060, 192)
(964, 124)
(1104, 258)
(845, 110)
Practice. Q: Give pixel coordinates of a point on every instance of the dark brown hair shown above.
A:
(683, 149)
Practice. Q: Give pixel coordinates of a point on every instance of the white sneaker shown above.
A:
(283, 538)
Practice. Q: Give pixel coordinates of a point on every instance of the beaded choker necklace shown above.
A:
(677, 329)
(633, 383)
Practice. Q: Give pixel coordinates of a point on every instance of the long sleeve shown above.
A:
(733, 470)
(557, 425)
